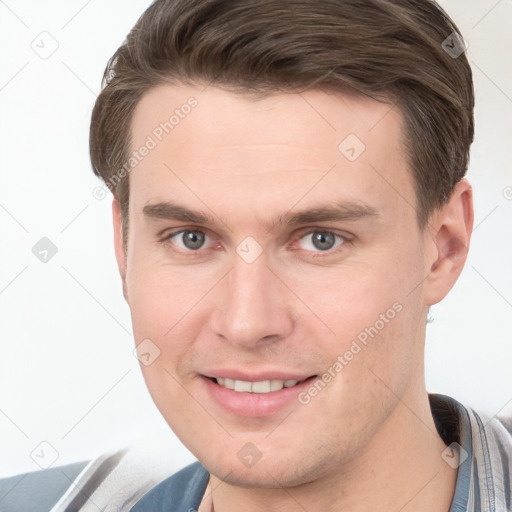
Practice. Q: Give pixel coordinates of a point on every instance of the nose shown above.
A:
(253, 309)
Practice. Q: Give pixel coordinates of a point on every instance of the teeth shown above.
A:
(229, 383)
(264, 386)
(243, 386)
(261, 387)
(276, 385)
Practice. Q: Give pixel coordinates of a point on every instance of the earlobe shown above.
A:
(451, 227)
(119, 245)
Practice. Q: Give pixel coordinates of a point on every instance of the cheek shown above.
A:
(163, 312)
(351, 300)
(371, 317)
(169, 308)
(161, 296)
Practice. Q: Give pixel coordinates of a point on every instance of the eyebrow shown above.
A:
(170, 211)
(343, 211)
(338, 212)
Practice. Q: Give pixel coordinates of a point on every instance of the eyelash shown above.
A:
(167, 240)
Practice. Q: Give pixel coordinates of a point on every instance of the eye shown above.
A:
(188, 240)
(320, 241)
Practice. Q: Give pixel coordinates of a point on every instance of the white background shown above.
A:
(67, 373)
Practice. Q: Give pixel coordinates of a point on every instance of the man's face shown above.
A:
(275, 240)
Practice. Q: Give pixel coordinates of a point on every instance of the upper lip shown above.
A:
(256, 377)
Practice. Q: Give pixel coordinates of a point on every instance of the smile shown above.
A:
(263, 386)
(256, 398)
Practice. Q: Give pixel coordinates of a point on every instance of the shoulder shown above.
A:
(39, 490)
(483, 447)
(60, 488)
(488, 443)
(112, 482)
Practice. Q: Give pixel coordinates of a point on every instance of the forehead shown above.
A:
(211, 144)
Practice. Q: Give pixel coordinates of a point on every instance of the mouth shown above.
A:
(255, 398)
(260, 387)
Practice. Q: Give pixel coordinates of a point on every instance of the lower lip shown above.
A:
(253, 405)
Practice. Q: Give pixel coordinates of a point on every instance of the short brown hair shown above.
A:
(393, 50)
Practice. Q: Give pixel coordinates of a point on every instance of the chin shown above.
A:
(268, 473)
(257, 478)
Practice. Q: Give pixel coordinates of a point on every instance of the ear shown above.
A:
(450, 228)
(119, 245)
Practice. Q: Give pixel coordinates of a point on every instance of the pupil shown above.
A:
(323, 241)
(193, 240)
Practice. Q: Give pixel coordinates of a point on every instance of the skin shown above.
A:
(367, 441)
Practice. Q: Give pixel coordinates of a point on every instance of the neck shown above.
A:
(400, 469)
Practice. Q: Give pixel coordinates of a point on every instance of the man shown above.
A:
(289, 201)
